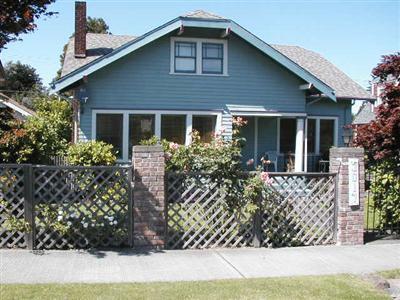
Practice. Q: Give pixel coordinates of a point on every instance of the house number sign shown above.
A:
(354, 184)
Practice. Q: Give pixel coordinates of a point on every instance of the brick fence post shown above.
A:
(350, 218)
(148, 197)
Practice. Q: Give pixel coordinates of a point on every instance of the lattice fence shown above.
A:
(199, 217)
(67, 207)
(12, 205)
(300, 210)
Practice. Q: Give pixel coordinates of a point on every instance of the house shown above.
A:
(19, 111)
(197, 71)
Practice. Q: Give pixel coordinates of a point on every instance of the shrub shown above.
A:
(385, 188)
(92, 153)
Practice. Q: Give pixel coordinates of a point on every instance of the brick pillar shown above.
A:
(350, 218)
(149, 224)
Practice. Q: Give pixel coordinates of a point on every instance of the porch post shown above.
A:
(298, 160)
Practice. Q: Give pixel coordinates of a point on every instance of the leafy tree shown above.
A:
(19, 17)
(97, 25)
(381, 140)
(21, 77)
(381, 137)
(93, 25)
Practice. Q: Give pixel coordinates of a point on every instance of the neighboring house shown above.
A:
(365, 114)
(20, 111)
(197, 72)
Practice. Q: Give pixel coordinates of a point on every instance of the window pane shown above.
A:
(173, 128)
(212, 58)
(186, 65)
(326, 137)
(288, 135)
(311, 135)
(212, 66)
(212, 50)
(109, 130)
(141, 127)
(185, 49)
(205, 125)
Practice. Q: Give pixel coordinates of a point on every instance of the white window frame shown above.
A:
(199, 55)
(317, 132)
(157, 126)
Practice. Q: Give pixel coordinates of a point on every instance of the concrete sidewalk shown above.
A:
(22, 266)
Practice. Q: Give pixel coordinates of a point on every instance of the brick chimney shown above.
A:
(80, 29)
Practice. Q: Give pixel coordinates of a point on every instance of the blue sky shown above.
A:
(351, 34)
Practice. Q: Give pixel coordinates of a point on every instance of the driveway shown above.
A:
(23, 266)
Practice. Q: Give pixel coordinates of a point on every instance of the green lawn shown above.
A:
(309, 287)
(391, 274)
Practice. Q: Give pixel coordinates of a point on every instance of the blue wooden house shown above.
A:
(198, 71)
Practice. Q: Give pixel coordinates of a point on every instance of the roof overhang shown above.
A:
(177, 23)
(18, 108)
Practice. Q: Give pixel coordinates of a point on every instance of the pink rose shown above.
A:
(250, 162)
(265, 177)
(173, 146)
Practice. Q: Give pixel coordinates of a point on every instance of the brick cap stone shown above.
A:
(346, 150)
(155, 148)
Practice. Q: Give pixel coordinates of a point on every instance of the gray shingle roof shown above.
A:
(97, 45)
(365, 114)
(327, 72)
(101, 44)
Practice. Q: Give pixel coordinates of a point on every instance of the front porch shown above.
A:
(290, 143)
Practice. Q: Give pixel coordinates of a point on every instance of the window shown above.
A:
(212, 62)
(109, 130)
(287, 135)
(199, 56)
(185, 57)
(141, 127)
(326, 136)
(205, 125)
(173, 128)
(311, 127)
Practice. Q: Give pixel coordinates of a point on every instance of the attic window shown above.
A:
(185, 57)
(196, 56)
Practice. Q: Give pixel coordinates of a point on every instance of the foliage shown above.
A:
(381, 137)
(19, 17)
(97, 25)
(49, 131)
(381, 140)
(21, 77)
(11, 221)
(385, 188)
(93, 25)
(44, 135)
(92, 153)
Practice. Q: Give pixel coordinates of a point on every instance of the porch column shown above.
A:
(298, 160)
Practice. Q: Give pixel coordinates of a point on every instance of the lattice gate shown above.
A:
(66, 206)
(299, 211)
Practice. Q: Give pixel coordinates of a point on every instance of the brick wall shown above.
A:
(350, 219)
(148, 197)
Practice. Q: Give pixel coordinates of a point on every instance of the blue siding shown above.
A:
(141, 80)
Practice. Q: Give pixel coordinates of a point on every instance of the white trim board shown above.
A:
(168, 27)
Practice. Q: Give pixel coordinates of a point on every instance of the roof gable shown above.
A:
(198, 19)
